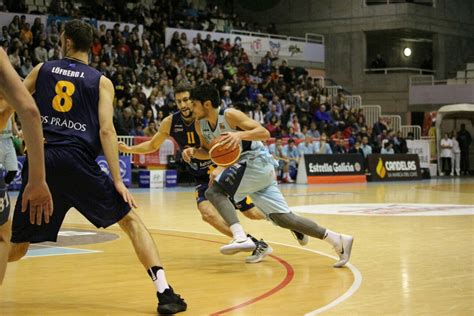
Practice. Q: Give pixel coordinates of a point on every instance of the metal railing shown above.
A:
(309, 37)
(422, 80)
(398, 70)
(354, 101)
(333, 90)
(371, 113)
(415, 129)
(394, 121)
(431, 3)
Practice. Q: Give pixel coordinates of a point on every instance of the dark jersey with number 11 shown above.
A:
(186, 136)
(67, 95)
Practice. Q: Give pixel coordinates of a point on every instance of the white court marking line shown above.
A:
(83, 252)
(354, 287)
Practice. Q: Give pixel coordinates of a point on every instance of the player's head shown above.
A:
(77, 36)
(182, 95)
(205, 99)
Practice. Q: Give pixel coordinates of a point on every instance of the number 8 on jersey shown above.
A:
(62, 102)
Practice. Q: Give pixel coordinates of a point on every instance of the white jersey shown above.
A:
(7, 133)
(249, 148)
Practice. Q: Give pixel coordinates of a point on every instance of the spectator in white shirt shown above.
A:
(387, 148)
(306, 147)
(40, 53)
(446, 154)
(322, 147)
(366, 147)
(456, 158)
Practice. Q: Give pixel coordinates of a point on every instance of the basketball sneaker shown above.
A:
(302, 238)
(238, 245)
(261, 251)
(170, 303)
(343, 250)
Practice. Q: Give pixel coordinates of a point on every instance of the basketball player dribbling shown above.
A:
(180, 126)
(75, 103)
(253, 174)
(14, 96)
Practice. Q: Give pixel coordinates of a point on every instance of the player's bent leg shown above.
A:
(342, 243)
(4, 248)
(211, 216)
(219, 199)
(254, 213)
(18, 251)
(168, 301)
(142, 241)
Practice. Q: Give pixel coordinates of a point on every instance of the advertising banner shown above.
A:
(331, 169)
(259, 46)
(125, 168)
(394, 167)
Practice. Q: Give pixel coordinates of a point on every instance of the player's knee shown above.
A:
(214, 193)
(130, 222)
(254, 213)
(17, 251)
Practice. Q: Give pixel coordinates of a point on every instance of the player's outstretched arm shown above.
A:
(153, 144)
(36, 192)
(108, 137)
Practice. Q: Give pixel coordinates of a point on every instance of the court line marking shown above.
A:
(355, 272)
(288, 277)
(81, 251)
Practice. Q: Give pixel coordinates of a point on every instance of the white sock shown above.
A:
(238, 232)
(333, 238)
(157, 275)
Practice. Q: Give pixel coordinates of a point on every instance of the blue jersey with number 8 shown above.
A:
(67, 95)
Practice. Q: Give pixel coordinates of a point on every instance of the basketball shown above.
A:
(222, 156)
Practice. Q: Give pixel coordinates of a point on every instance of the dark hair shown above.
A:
(291, 140)
(206, 92)
(183, 88)
(80, 33)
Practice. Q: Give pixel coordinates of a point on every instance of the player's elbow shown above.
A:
(27, 113)
(107, 132)
(265, 134)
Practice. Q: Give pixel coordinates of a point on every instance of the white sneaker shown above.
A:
(263, 249)
(343, 250)
(236, 246)
(302, 238)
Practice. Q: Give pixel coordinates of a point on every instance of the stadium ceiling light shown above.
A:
(407, 51)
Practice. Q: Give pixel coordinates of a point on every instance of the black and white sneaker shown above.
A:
(261, 251)
(302, 238)
(170, 303)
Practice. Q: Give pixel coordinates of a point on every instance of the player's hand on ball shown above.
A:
(231, 139)
(188, 153)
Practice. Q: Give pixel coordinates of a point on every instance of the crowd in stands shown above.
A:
(286, 100)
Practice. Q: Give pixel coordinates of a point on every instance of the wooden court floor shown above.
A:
(413, 255)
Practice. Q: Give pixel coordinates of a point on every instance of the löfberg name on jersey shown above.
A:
(394, 167)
